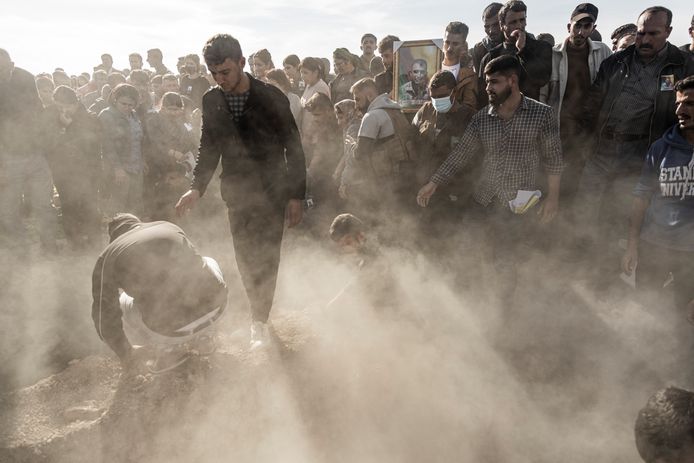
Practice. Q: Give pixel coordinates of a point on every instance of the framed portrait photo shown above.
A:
(416, 61)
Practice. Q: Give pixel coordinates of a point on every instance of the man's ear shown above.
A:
(242, 62)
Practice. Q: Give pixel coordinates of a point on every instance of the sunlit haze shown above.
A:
(43, 35)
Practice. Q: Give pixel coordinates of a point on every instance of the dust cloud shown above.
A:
(442, 376)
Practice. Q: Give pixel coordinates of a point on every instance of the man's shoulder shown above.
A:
(537, 106)
(22, 77)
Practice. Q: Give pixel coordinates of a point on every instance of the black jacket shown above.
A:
(20, 112)
(158, 266)
(610, 81)
(536, 59)
(73, 152)
(265, 138)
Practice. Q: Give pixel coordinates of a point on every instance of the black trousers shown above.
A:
(256, 220)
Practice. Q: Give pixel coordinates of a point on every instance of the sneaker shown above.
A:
(259, 334)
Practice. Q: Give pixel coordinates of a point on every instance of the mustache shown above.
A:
(646, 46)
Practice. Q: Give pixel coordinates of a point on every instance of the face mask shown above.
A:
(442, 105)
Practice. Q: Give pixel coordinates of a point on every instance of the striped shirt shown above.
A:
(513, 150)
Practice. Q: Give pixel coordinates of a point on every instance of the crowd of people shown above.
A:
(584, 143)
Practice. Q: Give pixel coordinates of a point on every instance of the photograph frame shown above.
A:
(410, 57)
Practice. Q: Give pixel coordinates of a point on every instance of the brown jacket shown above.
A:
(466, 90)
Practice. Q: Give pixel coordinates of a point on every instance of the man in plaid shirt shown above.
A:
(516, 135)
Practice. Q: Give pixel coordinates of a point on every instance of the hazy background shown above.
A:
(43, 35)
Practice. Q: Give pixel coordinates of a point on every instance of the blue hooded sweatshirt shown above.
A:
(667, 180)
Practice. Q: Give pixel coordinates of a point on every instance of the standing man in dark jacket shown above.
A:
(493, 35)
(70, 139)
(535, 55)
(24, 173)
(249, 124)
(631, 103)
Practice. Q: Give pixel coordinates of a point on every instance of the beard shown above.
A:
(365, 107)
(497, 99)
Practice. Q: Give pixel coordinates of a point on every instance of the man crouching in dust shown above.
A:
(153, 293)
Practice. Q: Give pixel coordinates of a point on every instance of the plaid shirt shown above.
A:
(513, 150)
(236, 103)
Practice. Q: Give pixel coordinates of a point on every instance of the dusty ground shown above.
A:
(438, 380)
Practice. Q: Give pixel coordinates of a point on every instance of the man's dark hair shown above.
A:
(456, 27)
(367, 36)
(220, 47)
(135, 55)
(171, 99)
(107, 55)
(363, 84)
(121, 223)
(264, 56)
(64, 94)
(621, 31)
(386, 43)
(491, 11)
(124, 90)
(659, 9)
(506, 65)
(45, 81)
(546, 37)
(139, 77)
(514, 5)
(665, 425)
(291, 60)
(685, 84)
(281, 78)
(193, 57)
(692, 23)
(344, 225)
(443, 79)
(318, 101)
(155, 53)
(115, 78)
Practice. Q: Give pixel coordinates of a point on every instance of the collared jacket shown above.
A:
(265, 138)
(117, 141)
(71, 149)
(560, 71)
(610, 81)
(536, 62)
(466, 89)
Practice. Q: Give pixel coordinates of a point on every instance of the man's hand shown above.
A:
(548, 210)
(293, 213)
(120, 176)
(135, 361)
(519, 35)
(187, 202)
(65, 119)
(425, 193)
(631, 257)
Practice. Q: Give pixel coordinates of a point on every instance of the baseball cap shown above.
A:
(584, 10)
